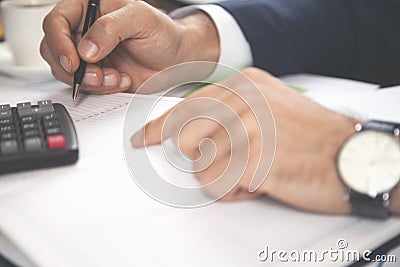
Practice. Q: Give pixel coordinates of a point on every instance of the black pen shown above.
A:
(91, 14)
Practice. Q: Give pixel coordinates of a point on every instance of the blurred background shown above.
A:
(167, 5)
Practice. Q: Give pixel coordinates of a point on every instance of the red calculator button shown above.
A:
(56, 141)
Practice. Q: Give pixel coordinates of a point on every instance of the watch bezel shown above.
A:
(359, 131)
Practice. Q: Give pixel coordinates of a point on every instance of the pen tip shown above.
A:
(75, 91)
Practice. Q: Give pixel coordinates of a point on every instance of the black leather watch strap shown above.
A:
(381, 126)
(365, 206)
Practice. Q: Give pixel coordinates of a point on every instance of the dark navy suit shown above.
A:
(357, 39)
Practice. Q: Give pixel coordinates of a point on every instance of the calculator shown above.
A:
(36, 136)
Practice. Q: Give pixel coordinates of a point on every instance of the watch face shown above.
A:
(369, 162)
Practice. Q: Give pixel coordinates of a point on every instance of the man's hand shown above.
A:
(129, 42)
(308, 137)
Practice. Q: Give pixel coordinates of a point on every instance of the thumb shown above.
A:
(128, 21)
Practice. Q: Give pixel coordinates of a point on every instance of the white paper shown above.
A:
(93, 213)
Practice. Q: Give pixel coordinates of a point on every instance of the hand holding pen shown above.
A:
(129, 42)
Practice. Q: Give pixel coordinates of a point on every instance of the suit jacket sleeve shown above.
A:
(357, 39)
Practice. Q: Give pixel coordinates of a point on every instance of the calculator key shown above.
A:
(9, 147)
(31, 133)
(53, 131)
(43, 109)
(29, 126)
(45, 103)
(35, 111)
(51, 124)
(24, 105)
(5, 107)
(56, 142)
(7, 128)
(5, 121)
(33, 144)
(5, 136)
(27, 119)
(26, 112)
(49, 117)
(5, 114)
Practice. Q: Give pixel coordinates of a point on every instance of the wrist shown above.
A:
(337, 129)
(200, 40)
(394, 205)
(342, 127)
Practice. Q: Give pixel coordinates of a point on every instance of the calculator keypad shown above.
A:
(30, 128)
(36, 136)
(36, 127)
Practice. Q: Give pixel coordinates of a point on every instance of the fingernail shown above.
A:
(110, 80)
(137, 139)
(66, 63)
(91, 79)
(88, 48)
(125, 82)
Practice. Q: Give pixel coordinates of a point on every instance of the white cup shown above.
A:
(22, 24)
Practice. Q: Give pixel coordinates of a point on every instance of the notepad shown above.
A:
(93, 213)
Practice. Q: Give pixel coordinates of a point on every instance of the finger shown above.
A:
(150, 134)
(58, 72)
(58, 27)
(191, 138)
(206, 103)
(131, 21)
(230, 98)
(230, 129)
(97, 79)
(239, 193)
(211, 90)
(206, 171)
(104, 80)
(222, 190)
(238, 115)
(171, 122)
(225, 164)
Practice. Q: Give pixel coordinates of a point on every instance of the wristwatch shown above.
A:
(368, 163)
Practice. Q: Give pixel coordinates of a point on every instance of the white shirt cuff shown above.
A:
(235, 51)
